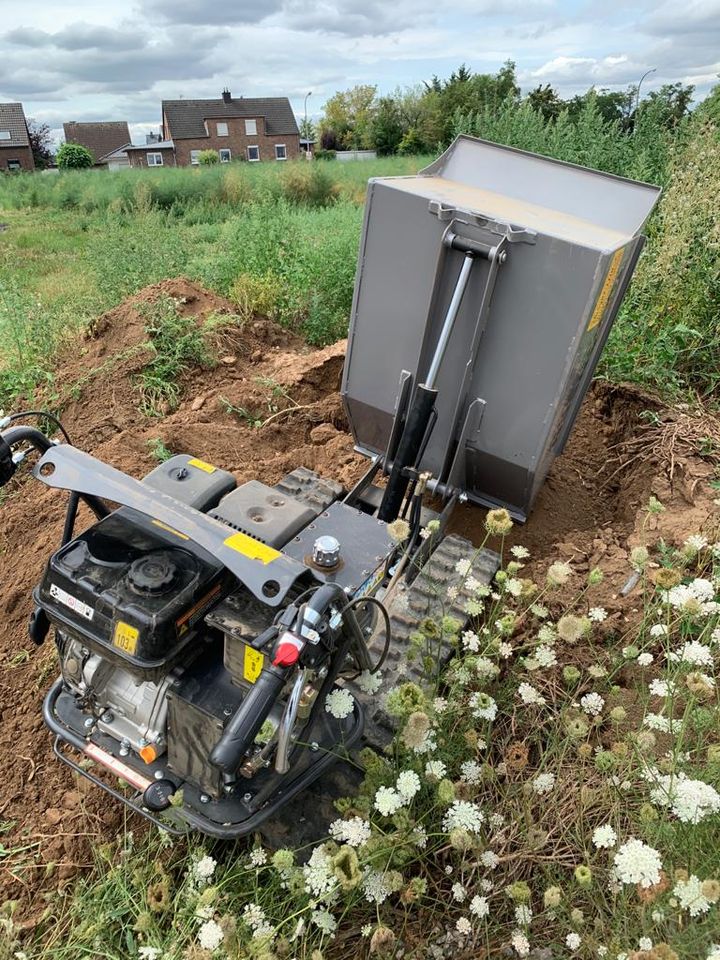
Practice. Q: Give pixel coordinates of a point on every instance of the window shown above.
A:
(14, 165)
(195, 157)
(154, 159)
(253, 153)
(280, 151)
(5, 135)
(225, 156)
(251, 128)
(222, 130)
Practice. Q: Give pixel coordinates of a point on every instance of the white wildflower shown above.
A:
(655, 721)
(204, 868)
(695, 653)
(463, 926)
(547, 633)
(690, 800)
(325, 921)
(695, 543)
(545, 656)
(513, 586)
(489, 859)
(645, 659)
(408, 784)
(463, 815)
(505, 650)
(483, 706)
(645, 943)
(369, 683)
(592, 704)
(258, 857)
(520, 552)
(520, 943)
(559, 573)
(210, 935)
(573, 941)
(529, 695)
(659, 630)
(471, 772)
(479, 907)
(387, 801)
(459, 893)
(374, 887)
(543, 783)
(339, 703)
(318, 873)
(473, 608)
(690, 896)
(523, 915)
(597, 614)
(463, 567)
(435, 770)
(471, 641)
(355, 831)
(486, 668)
(659, 688)
(636, 862)
(144, 953)
(604, 837)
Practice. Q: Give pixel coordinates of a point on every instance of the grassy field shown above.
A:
(282, 240)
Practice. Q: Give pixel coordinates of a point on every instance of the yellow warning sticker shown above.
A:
(164, 526)
(125, 637)
(249, 547)
(252, 664)
(201, 465)
(604, 296)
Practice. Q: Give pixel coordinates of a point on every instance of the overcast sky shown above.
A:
(85, 60)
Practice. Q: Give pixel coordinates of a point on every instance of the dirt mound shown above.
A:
(269, 405)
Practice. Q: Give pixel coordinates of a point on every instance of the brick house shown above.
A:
(101, 139)
(239, 128)
(15, 150)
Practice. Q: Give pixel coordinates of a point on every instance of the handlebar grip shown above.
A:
(240, 733)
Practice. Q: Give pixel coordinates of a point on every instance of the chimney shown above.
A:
(226, 95)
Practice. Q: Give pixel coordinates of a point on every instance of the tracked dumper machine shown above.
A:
(201, 625)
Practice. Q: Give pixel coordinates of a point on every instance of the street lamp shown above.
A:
(637, 95)
(307, 138)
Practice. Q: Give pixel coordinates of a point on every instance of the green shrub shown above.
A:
(208, 157)
(73, 156)
(310, 184)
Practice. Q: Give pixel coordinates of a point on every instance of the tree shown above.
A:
(208, 157)
(72, 156)
(386, 128)
(349, 115)
(672, 102)
(40, 144)
(545, 100)
(307, 129)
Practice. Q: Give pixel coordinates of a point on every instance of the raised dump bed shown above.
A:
(493, 277)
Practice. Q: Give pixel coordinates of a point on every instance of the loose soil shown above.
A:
(270, 404)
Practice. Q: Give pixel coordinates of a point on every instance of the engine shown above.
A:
(160, 647)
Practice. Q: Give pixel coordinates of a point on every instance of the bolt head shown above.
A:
(247, 797)
(314, 746)
(204, 798)
(159, 775)
(89, 722)
(107, 717)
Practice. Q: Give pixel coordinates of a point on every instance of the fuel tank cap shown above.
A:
(153, 573)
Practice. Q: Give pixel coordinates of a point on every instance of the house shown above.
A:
(239, 128)
(15, 149)
(101, 139)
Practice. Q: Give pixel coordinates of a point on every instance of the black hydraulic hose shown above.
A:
(40, 413)
(408, 450)
(358, 632)
(70, 517)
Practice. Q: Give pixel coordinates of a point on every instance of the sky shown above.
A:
(83, 60)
